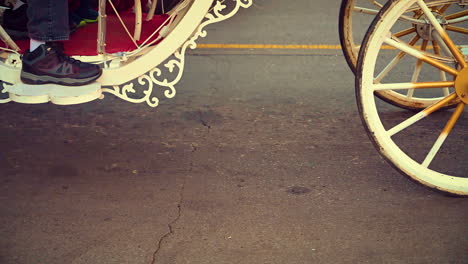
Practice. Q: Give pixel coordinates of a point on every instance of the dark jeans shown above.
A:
(48, 20)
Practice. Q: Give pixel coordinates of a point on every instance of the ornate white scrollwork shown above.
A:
(175, 64)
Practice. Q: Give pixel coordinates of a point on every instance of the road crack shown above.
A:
(203, 121)
(179, 208)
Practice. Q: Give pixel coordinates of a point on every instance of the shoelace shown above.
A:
(57, 48)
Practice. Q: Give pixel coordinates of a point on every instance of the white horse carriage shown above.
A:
(134, 49)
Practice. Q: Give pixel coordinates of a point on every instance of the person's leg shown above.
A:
(46, 63)
(48, 20)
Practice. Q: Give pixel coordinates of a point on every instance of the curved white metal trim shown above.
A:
(156, 78)
(166, 48)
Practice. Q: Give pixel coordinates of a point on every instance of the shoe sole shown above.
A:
(30, 78)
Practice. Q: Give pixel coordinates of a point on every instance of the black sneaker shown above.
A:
(48, 64)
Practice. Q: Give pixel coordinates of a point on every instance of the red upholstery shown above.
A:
(83, 41)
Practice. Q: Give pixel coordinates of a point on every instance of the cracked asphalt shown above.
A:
(260, 158)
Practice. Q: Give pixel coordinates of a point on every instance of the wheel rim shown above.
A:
(349, 36)
(385, 136)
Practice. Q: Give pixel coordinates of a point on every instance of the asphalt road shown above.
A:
(260, 158)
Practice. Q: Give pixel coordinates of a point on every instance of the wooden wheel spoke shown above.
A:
(457, 15)
(443, 8)
(442, 75)
(417, 70)
(457, 20)
(457, 29)
(367, 11)
(405, 32)
(421, 115)
(444, 134)
(441, 44)
(412, 85)
(419, 55)
(395, 60)
(445, 37)
(373, 2)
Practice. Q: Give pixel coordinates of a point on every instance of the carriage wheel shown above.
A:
(426, 146)
(356, 15)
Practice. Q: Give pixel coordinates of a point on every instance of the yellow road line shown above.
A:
(265, 46)
(278, 46)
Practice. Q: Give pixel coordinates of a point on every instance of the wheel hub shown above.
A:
(425, 31)
(461, 85)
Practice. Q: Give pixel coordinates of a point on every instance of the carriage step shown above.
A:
(56, 94)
